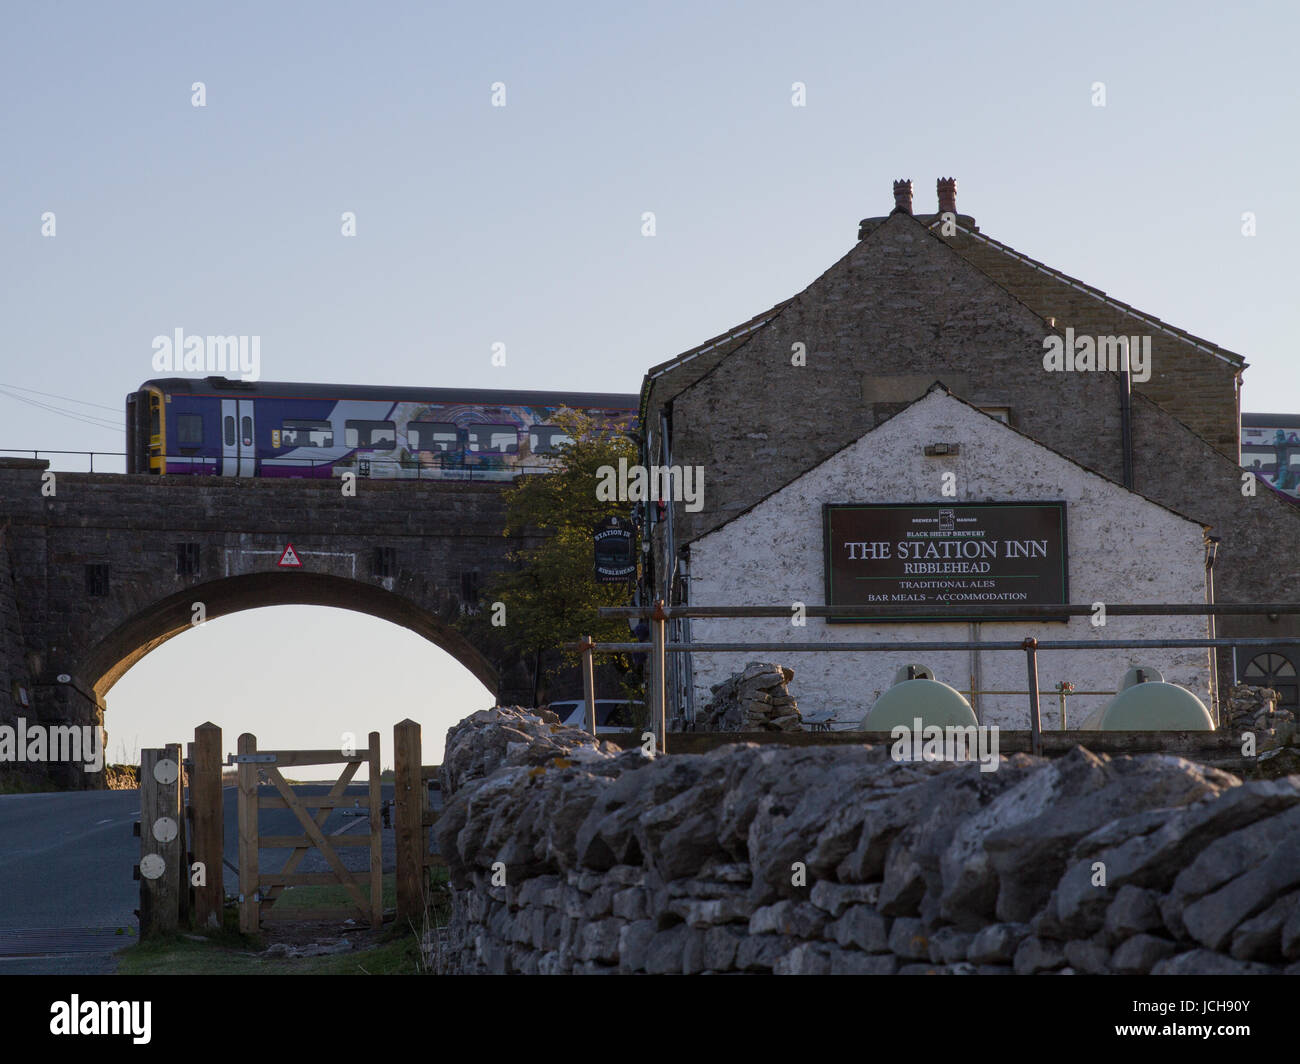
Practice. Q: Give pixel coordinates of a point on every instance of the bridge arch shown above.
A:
(154, 624)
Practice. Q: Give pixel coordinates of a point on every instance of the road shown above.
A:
(67, 896)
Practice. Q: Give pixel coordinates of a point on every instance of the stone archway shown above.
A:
(110, 658)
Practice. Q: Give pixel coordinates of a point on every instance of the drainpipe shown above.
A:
(1211, 552)
(1126, 423)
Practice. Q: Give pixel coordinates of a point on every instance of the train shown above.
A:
(219, 426)
(1270, 448)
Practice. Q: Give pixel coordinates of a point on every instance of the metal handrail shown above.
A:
(659, 613)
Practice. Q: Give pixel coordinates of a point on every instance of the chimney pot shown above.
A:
(902, 197)
(947, 195)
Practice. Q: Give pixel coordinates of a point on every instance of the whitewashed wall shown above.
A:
(1121, 548)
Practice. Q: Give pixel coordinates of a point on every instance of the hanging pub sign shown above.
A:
(615, 550)
(950, 554)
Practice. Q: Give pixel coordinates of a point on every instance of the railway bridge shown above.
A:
(98, 569)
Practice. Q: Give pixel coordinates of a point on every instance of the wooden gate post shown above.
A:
(376, 837)
(161, 855)
(248, 872)
(209, 825)
(408, 822)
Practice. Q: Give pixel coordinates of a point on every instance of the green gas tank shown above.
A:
(917, 694)
(1145, 702)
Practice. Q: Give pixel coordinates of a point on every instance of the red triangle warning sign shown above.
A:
(289, 559)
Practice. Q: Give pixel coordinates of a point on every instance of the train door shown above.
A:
(229, 437)
(238, 451)
(247, 448)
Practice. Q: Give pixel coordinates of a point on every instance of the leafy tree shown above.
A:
(551, 598)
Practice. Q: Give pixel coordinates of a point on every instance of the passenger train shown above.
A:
(216, 426)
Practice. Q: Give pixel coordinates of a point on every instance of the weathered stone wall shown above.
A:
(754, 699)
(567, 856)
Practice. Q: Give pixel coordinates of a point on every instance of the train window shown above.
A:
(155, 418)
(228, 428)
(189, 430)
(546, 439)
(376, 435)
(300, 432)
(246, 430)
(495, 439)
(432, 436)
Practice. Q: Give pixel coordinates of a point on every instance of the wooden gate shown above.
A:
(258, 890)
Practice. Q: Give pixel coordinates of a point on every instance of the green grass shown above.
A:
(400, 955)
(228, 952)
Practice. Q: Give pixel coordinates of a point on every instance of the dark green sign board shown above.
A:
(615, 549)
(879, 555)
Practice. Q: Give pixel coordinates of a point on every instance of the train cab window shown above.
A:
(375, 435)
(155, 417)
(493, 439)
(299, 432)
(432, 436)
(228, 430)
(547, 439)
(189, 430)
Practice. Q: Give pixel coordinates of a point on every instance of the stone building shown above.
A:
(926, 298)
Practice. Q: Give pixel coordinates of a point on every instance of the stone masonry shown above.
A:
(567, 856)
(110, 566)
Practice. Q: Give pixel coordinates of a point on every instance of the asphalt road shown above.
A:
(66, 886)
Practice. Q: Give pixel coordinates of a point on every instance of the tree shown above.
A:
(552, 596)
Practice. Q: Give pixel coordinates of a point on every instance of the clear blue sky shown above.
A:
(522, 224)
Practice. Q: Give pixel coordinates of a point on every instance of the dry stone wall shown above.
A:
(569, 856)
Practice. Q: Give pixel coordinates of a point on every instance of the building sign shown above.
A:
(615, 540)
(950, 554)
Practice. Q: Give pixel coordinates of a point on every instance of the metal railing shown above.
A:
(423, 470)
(659, 614)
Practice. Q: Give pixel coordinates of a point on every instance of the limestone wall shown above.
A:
(568, 856)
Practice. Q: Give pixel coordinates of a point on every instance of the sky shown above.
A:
(522, 224)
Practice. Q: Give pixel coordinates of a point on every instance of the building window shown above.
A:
(1275, 671)
(97, 579)
(187, 559)
(385, 561)
(300, 432)
(1002, 413)
(189, 430)
(375, 435)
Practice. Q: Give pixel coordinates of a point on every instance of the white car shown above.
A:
(613, 715)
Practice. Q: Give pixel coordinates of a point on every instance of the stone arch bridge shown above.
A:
(110, 566)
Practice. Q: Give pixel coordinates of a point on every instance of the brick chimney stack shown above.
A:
(902, 197)
(947, 195)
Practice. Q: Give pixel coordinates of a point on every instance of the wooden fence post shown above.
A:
(175, 752)
(376, 837)
(249, 922)
(161, 855)
(209, 825)
(408, 821)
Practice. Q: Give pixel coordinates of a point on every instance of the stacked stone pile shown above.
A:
(573, 857)
(755, 699)
(1255, 709)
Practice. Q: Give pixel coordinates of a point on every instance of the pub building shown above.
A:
(894, 435)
